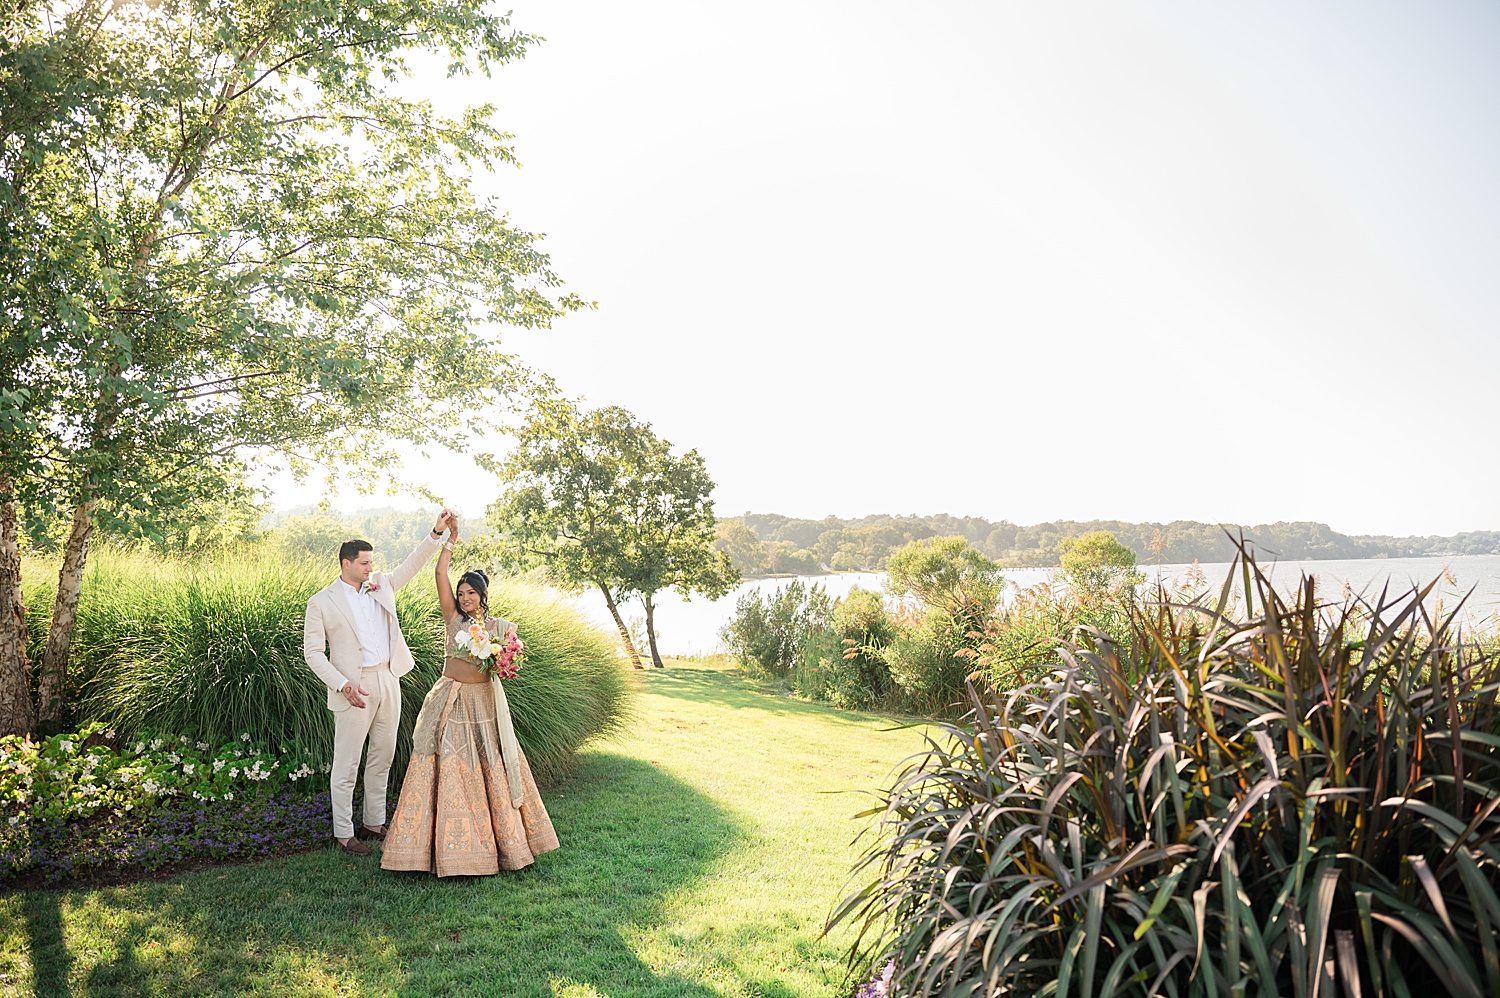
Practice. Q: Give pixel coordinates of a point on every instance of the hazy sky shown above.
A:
(1144, 261)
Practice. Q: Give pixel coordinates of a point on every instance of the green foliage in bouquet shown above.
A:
(1301, 800)
(214, 649)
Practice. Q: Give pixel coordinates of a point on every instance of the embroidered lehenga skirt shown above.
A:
(462, 811)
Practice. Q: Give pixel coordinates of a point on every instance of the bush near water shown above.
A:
(1288, 798)
(913, 655)
(213, 649)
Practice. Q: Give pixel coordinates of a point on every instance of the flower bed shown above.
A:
(77, 804)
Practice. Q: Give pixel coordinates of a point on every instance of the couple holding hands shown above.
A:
(468, 803)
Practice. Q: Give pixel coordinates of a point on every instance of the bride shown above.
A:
(468, 803)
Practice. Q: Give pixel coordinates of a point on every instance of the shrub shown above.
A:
(945, 574)
(769, 631)
(1022, 640)
(1096, 589)
(214, 649)
(1097, 562)
(82, 801)
(925, 660)
(855, 652)
(859, 677)
(81, 774)
(957, 590)
(1300, 801)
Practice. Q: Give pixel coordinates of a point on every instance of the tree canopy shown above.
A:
(1096, 561)
(945, 573)
(600, 499)
(224, 229)
(251, 240)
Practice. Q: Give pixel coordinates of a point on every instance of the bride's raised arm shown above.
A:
(445, 585)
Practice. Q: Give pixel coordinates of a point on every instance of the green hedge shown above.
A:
(212, 650)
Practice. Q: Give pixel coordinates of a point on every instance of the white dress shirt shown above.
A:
(372, 624)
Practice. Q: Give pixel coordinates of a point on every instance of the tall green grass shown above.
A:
(572, 687)
(214, 649)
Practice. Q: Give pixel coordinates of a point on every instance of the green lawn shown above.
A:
(701, 852)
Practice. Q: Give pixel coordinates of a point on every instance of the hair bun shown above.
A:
(482, 574)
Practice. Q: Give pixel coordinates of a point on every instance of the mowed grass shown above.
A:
(701, 851)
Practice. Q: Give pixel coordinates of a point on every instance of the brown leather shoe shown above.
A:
(353, 847)
(366, 832)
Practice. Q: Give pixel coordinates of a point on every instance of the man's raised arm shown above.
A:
(408, 569)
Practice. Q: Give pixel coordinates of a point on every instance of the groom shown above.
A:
(354, 619)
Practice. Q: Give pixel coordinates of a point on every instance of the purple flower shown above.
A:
(880, 987)
(173, 830)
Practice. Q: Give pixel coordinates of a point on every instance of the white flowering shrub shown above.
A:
(83, 774)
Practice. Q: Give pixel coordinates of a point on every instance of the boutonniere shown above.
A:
(370, 586)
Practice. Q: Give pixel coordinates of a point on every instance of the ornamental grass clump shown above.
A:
(571, 689)
(213, 649)
(1298, 799)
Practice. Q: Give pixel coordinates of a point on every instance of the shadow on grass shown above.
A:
(49, 950)
(632, 838)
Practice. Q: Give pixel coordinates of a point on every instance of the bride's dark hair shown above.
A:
(480, 583)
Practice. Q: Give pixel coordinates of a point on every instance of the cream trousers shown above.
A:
(378, 722)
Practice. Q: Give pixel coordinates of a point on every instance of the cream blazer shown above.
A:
(330, 640)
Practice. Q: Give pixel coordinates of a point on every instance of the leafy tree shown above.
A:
(313, 532)
(204, 523)
(1096, 562)
(672, 522)
(221, 228)
(603, 502)
(947, 574)
(866, 542)
(783, 558)
(52, 73)
(746, 552)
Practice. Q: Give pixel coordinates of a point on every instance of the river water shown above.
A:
(691, 627)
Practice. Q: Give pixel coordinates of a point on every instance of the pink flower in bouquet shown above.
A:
(508, 658)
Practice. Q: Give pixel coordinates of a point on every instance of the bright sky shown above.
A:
(1144, 261)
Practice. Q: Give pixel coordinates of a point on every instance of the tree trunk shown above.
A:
(15, 679)
(635, 656)
(53, 677)
(656, 662)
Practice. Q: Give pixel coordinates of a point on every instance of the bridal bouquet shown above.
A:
(500, 657)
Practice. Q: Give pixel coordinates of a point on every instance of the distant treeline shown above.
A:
(308, 530)
(768, 543)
